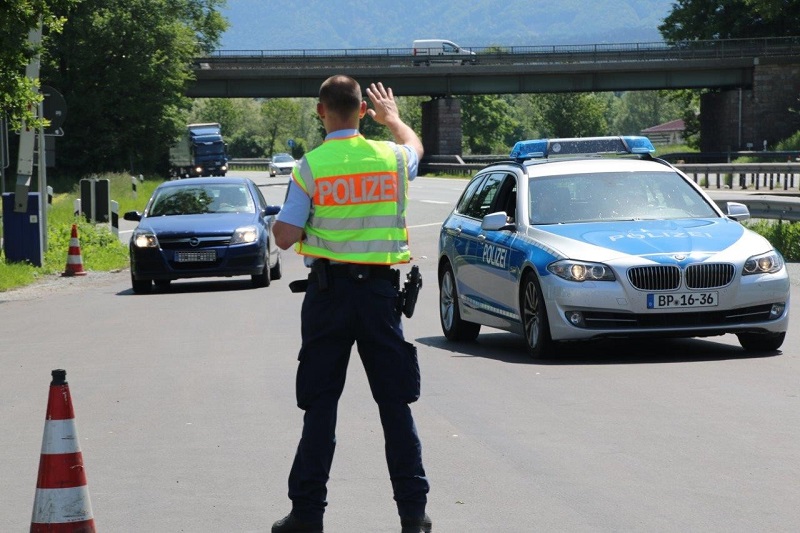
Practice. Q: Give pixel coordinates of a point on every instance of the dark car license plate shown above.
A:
(203, 256)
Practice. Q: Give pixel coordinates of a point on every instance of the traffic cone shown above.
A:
(62, 498)
(74, 261)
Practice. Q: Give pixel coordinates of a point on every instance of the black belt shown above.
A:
(355, 271)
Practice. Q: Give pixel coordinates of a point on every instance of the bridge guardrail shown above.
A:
(603, 52)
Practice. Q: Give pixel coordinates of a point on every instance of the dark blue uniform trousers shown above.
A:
(362, 312)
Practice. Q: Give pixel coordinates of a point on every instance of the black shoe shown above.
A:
(292, 524)
(416, 525)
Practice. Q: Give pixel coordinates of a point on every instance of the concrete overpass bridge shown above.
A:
(754, 81)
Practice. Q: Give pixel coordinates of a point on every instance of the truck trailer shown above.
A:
(200, 151)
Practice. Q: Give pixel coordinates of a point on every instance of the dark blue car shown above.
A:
(204, 227)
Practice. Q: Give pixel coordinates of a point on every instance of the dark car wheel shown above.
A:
(141, 286)
(264, 278)
(454, 328)
(761, 342)
(162, 283)
(276, 272)
(534, 317)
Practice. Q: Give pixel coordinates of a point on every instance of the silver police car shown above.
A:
(578, 239)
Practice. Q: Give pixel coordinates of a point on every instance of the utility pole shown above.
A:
(27, 136)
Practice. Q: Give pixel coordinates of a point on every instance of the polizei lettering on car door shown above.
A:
(356, 189)
(495, 255)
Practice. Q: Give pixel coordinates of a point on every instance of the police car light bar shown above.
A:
(541, 148)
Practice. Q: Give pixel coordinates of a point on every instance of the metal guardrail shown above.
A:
(763, 206)
(746, 177)
(604, 52)
(728, 49)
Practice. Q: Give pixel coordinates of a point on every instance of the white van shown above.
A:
(440, 51)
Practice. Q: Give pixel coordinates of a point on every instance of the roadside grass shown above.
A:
(101, 250)
(784, 236)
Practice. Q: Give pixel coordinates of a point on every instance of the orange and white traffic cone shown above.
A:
(62, 497)
(74, 260)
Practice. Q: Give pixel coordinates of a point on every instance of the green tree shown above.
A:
(573, 114)
(19, 95)
(123, 67)
(726, 19)
(487, 123)
(280, 117)
(638, 110)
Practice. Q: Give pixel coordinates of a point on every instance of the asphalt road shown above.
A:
(184, 405)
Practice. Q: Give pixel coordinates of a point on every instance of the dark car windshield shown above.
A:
(198, 199)
(614, 196)
(282, 158)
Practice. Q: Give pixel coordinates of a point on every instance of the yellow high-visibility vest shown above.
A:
(358, 190)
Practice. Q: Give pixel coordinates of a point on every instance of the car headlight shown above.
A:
(244, 235)
(767, 263)
(144, 239)
(571, 270)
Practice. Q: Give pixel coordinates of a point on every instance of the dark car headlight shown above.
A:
(767, 263)
(245, 235)
(572, 270)
(144, 239)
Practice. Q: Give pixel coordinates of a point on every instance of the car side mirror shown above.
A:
(132, 215)
(272, 210)
(497, 221)
(738, 212)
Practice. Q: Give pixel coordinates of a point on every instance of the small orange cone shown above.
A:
(74, 260)
(62, 498)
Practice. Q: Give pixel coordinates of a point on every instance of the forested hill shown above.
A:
(272, 25)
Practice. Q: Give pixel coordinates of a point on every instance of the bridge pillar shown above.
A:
(441, 126)
(742, 119)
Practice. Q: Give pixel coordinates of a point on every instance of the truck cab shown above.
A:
(200, 151)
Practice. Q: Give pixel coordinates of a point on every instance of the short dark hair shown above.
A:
(340, 94)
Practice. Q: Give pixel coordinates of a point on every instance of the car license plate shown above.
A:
(682, 300)
(203, 256)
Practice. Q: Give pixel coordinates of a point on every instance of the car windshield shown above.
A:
(198, 199)
(283, 158)
(614, 196)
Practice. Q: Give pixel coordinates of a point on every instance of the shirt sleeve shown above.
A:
(413, 161)
(296, 207)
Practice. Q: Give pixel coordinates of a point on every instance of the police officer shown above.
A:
(345, 213)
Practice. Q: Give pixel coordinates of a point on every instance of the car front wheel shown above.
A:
(454, 328)
(761, 342)
(276, 272)
(264, 278)
(534, 317)
(141, 286)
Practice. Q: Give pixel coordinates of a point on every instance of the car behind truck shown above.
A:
(200, 151)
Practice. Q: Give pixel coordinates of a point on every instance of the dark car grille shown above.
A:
(668, 278)
(184, 243)
(745, 315)
(655, 278)
(708, 276)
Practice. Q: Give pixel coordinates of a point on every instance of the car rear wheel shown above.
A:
(454, 328)
(141, 286)
(534, 317)
(761, 342)
(264, 278)
(276, 272)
